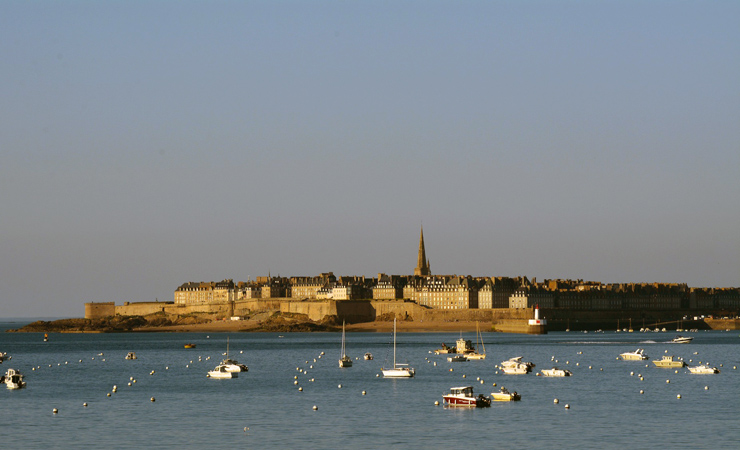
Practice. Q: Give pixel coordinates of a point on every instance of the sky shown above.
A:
(144, 144)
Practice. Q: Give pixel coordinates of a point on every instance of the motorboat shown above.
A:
(669, 362)
(233, 365)
(189, 345)
(130, 355)
(515, 370)
(682, 339)
(344, 361)
(703, 369)
(555, 372)
(637, 355)
(515, 366)
(476, 354)
(464, 346)
(4, 356)
(221, 371)
(463, 396)
(13, 379)
(457, 358)
(368, 356)
(398, 370)
(444, 350)
(503, 395)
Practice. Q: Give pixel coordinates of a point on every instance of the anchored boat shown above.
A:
(637, 355)
(463, 396)
(398, 370)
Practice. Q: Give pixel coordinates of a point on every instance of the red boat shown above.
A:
(463, 396)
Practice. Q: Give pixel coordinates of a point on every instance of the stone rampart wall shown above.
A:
(98, 310)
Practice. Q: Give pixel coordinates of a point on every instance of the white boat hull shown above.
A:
(404, 372)
(556, 373)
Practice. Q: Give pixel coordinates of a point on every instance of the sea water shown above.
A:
(263, 408)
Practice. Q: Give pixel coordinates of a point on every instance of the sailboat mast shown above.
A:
(394, 342)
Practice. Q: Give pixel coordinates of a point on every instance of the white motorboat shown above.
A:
(637, 355)
(4, 356)
(368, 356)
(232, 365)
(13, 379)
(515, 366)
(503, 395)
(669, 362)
(344, 361)
(682, 339)
(555, 372)
(515, 370)
(457, 358)
(398, 370)
(221, 371)
(130, 355)
(463, 396)
(703, 369)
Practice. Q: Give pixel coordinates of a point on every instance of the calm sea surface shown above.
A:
(192, 411)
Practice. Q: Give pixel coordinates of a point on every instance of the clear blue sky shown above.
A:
(149, 143)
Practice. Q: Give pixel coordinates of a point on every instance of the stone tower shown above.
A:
(422, 264)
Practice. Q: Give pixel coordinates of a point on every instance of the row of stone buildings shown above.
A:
(466, 292)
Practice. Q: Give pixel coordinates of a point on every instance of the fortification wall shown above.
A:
(353, 311)
(141, 308)
(98, 310)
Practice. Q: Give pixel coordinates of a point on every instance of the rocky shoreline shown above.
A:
(260, 322)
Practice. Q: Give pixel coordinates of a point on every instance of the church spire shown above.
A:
(422, 266)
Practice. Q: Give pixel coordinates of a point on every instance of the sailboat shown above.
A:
(232, 365)
(478, 344)
(344, 361)
(398, 370)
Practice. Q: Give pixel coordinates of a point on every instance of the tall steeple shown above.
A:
(422, 265)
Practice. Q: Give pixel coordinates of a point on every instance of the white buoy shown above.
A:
(481, 381)
(300, 389)
(678, 396)
(295, 382)
(667, 381)
(450, 369)
(339, 386)
(363, 392)
(464, 376)
(55, 410)
(152, 399)
(556, 401)
(567, 406)
(706, 388)
(108, 394)
(494, 384)
(436, 403)
(315, 408)
(632, 374)
(641, 391)
(85, 404)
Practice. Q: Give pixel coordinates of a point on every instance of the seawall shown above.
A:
(353, 311)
